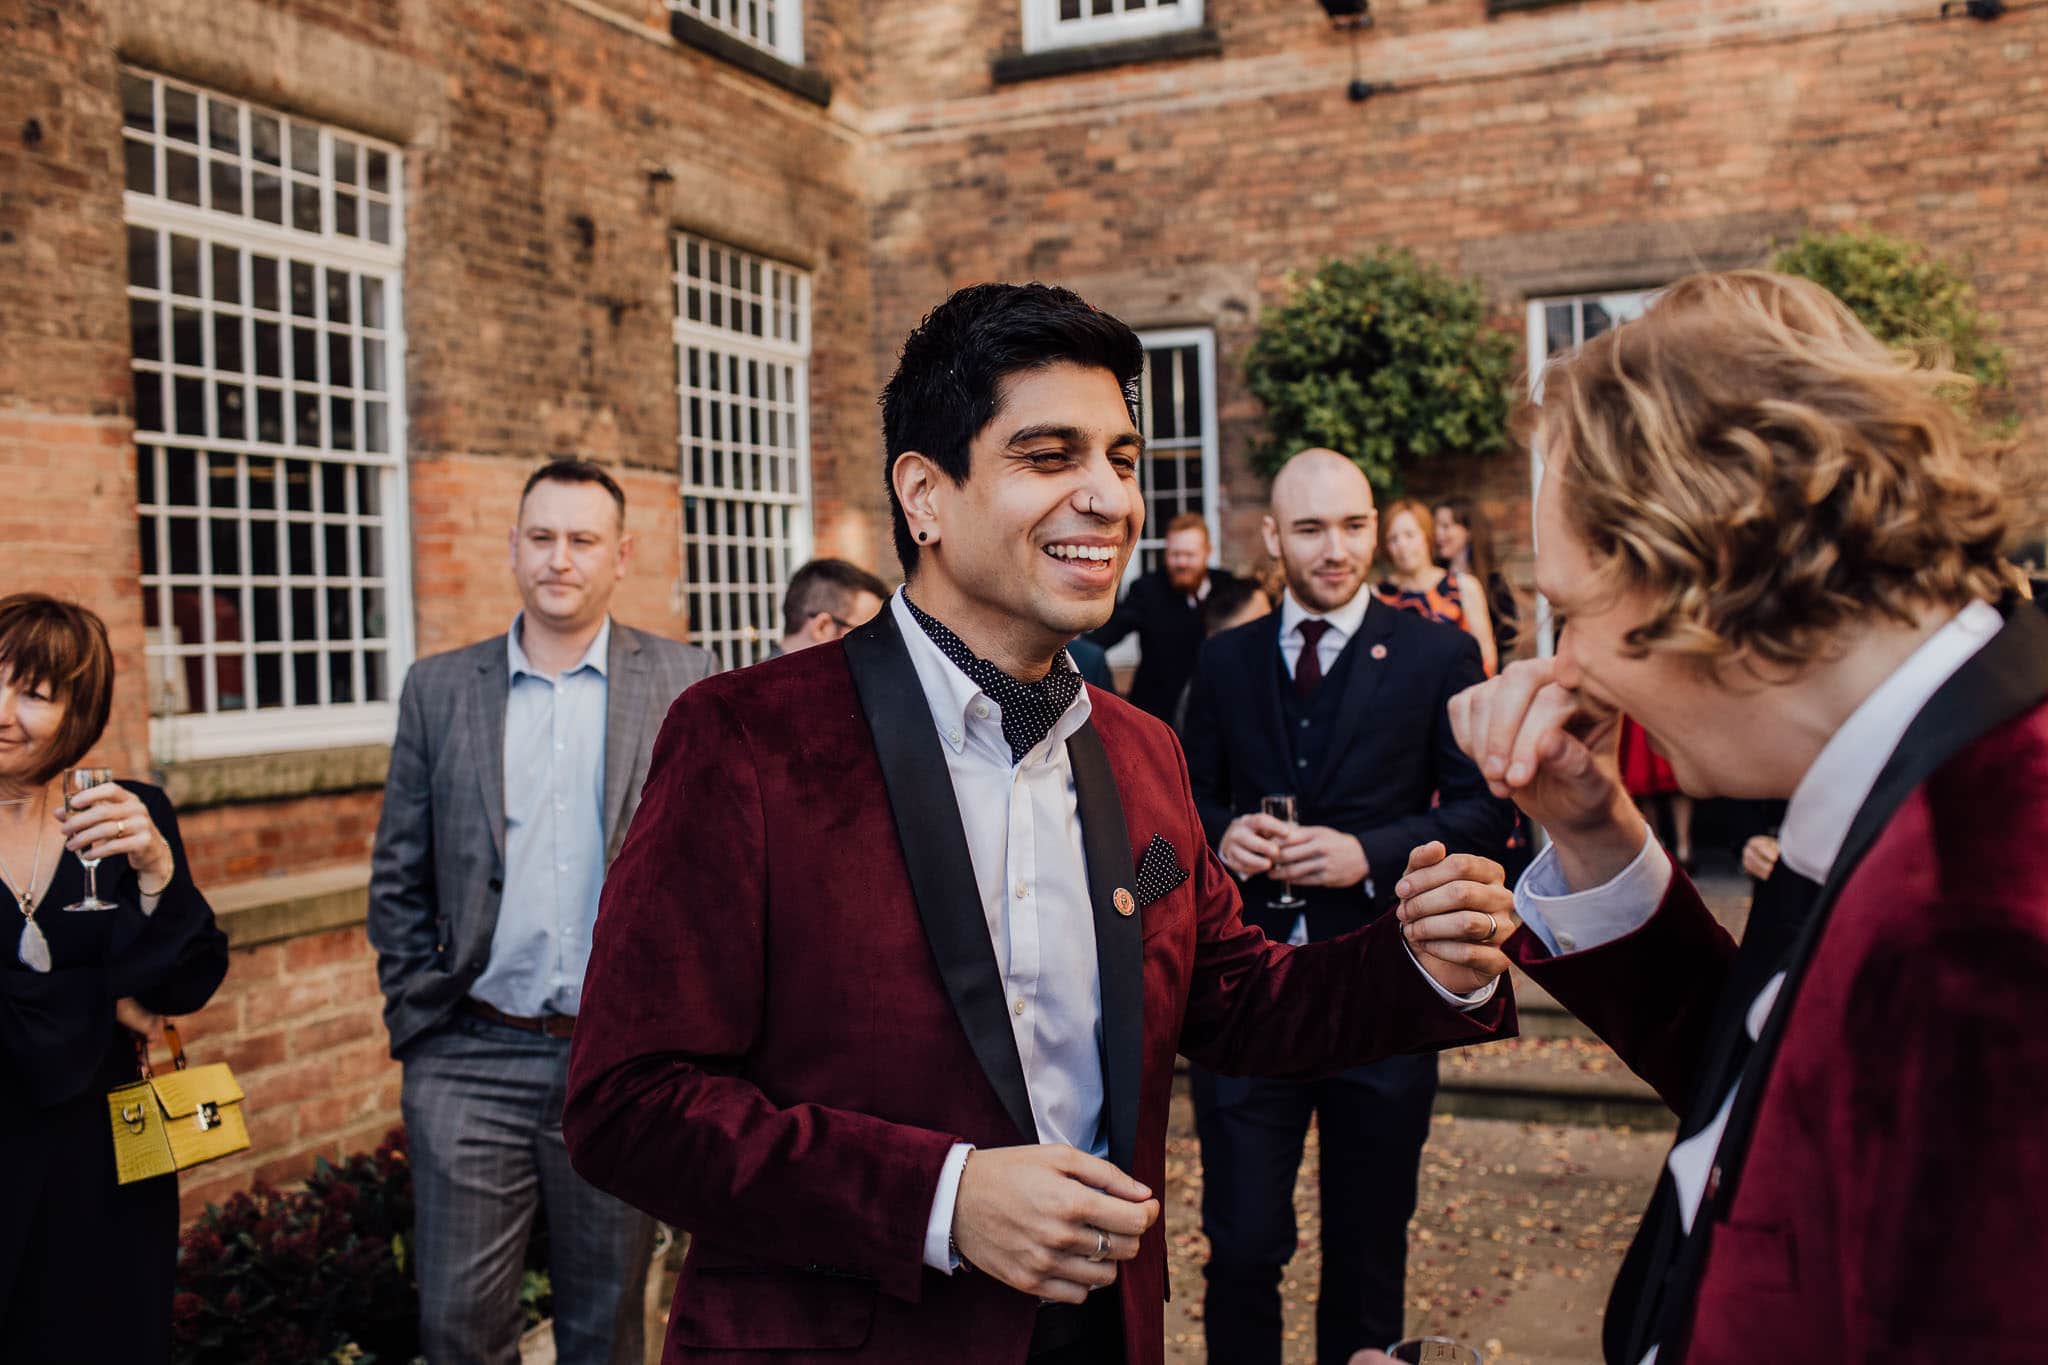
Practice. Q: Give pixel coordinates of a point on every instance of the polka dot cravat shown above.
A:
(1030, 710)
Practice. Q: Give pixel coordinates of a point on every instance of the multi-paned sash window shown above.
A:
(265, 255)
(1074, 23)
(1177, 413)
(1557, 326)
(775, 26)
(743, 342)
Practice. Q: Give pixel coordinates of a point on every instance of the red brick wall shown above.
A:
(242, 842)
(520, 121)
(301, 1025)
(1590, 145)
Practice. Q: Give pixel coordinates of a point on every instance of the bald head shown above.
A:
(1322, 528)
(1318, 477)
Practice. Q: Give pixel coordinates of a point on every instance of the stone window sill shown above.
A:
(1011, 67)
(198, 784)
(798, 80)
(274, 909)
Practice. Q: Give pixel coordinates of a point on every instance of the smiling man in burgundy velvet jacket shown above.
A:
(892, 969)
(1777, 547)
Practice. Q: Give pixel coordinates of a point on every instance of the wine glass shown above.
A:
(1433, 1351)
(77, 781)
(1281, 808)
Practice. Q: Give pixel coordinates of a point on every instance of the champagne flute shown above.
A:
(1433, 1351)
(1281, 808)
(76, 782)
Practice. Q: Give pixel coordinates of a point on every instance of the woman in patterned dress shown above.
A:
(1418, 583)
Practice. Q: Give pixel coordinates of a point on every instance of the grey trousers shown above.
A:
(483, 1119)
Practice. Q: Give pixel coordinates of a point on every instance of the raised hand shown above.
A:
(1554, 752)
(1037, 1217)
(1456, 911)
(1760, 856)
(109, 819)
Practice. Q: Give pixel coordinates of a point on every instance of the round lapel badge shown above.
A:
(1125, 905)
(1379, 651)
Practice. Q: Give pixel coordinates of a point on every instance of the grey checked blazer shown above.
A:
(437, 873)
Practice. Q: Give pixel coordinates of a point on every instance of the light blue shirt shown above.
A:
(554, 832)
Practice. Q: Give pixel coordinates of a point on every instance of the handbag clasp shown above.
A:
(209, 1115)
(133, 1116)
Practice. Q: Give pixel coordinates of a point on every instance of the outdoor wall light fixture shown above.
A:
(1349, 16)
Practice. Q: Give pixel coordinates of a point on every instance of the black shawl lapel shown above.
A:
(1366, 669)
(1105, 839)
(935, 849)
(2003, 680)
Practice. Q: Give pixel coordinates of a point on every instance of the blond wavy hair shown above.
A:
(1768, 472)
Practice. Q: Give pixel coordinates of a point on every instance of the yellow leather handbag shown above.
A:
(172, 1123)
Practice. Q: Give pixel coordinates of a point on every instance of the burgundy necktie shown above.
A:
(1308, 669)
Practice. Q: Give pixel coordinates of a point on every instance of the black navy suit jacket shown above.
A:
(1169, 636)
(1389, 752)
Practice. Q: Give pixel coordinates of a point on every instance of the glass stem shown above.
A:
(92, 882)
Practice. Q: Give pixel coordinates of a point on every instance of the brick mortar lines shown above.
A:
(1213, 85)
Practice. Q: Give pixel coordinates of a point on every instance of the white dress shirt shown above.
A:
(554, 831)
(1023, 827)
(1343, 623)
(1816, 823)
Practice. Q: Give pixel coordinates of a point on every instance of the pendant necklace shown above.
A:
(34, 951)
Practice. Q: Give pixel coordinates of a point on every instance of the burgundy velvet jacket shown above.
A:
(792, 1010)
(1893, 1202)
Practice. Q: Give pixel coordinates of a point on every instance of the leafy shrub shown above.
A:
(1385, 359)
(1906, 296)
(320, 1274)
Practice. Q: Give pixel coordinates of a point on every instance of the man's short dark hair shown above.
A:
(948, 380)
(570, 469)
(829, 586)
(1227, 597)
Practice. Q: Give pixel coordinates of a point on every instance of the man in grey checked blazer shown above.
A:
(515, 771)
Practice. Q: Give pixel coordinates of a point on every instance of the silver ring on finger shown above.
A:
(1492, 927)
(1101, 1252)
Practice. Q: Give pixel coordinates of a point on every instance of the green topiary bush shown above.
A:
(1906, 296)
(1385, 359)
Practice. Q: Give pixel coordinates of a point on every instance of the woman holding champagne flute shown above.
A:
(107, 934)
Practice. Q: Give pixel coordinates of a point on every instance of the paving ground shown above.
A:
(1518, 1234)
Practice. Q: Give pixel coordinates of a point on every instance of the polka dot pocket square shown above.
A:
(1159, 871)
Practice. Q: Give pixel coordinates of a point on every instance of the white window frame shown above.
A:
(301, 725)
(752, 620)
(1203, 340)
(1045, 31)
(742, 19)
(1629, 302)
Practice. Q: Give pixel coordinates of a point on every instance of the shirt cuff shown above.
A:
(1467, 1003)
(1567, 921)
(938, 1233)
